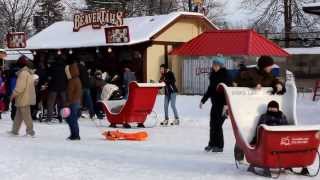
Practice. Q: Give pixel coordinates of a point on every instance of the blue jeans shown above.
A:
(170, 98)
(126, 92)
(88, 101)
(72, 120)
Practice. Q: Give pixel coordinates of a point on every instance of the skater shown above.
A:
(128, 76)
(258, 77)
(41, 72)
(97, 86)
(11, 86)
(86, 93)
(24, 95)
(3, 54)
(170, 90)
(218, 75)
(3, 92)
(73, 99)
(57, 86)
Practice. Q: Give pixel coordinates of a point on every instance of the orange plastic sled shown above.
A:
(117, 135)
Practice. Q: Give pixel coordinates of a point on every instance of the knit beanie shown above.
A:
(218, 60)
(265, 61)
(164, 66)
(273, 104)
(22, 61)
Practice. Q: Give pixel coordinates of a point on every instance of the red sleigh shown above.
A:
(278, 147)
(141, 99)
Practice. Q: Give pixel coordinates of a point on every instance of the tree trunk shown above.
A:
(287, 21)
(190, 5)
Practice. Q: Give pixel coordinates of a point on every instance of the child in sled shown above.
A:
(273, 117)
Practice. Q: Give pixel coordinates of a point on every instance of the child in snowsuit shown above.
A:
(273, 117)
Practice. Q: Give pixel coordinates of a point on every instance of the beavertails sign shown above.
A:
(98, 19)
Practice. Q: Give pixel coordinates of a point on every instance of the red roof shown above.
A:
(230, 43)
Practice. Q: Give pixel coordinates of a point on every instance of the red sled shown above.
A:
(141, 99)
(278, 147)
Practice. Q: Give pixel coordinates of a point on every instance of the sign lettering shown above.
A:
(288, 141)
(98, 19)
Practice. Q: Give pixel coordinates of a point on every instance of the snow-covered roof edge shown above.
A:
(13, 55)
(317, 4)
(198, 14)
(303, 51)
(40, 40)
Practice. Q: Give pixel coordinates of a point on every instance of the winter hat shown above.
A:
(218, 60)
(164, 66)
(273, 104)
(22, 61)
(265, 61)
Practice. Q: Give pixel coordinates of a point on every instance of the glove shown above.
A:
(279, 89)
(200, 105)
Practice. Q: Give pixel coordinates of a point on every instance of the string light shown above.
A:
(109, 50)
(70, 51)
(97, 50)
(59, 52)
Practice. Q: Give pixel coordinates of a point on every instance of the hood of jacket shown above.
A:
(25, 68)
(72, 71)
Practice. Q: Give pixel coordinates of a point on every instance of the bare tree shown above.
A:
(283, 15)
(48, 13)
(213, 9)
(150, 7)
(16, 15)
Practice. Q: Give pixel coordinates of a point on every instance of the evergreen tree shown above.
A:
(50, 11)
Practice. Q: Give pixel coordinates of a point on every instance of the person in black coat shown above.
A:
(41, 71)
(57, 85)
(128, 77)
(218, 75)
(86, 85)
(170, 91)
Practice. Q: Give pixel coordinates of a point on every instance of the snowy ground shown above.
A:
(170, 153)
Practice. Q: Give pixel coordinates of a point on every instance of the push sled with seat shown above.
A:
(141, 99)
(278, 148)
